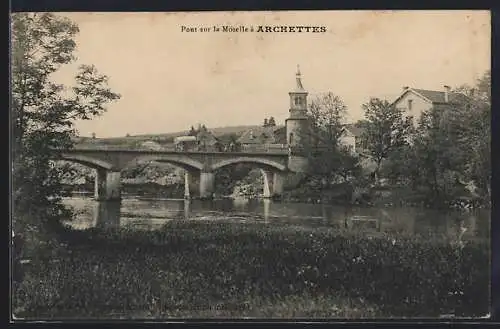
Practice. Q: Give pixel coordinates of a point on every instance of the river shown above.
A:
(139, 213)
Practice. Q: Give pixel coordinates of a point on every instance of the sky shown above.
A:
(170, 79)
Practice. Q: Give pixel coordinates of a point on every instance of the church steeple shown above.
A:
(297, 127)
(299, 87)
(298, 98)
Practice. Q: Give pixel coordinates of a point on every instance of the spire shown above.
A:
(299, 88)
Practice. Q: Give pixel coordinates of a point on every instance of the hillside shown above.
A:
(167, 137)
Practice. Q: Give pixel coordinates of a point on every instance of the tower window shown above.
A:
(410, 104)
(290, 138)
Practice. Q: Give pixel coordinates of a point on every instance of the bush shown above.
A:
(189, 265)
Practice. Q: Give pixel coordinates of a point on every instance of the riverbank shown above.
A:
(218, 269)
(343, 194)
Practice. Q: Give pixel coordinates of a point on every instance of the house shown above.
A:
(352, 137)
(267, 136)
(185, 143)
(202, 141)
(207, 141)
(259, 135)
(151, 145)
(415, 101)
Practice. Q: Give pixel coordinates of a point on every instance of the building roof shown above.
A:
(354, 129)
(439, 96)
(280, 135)
(152, 145)
(207, 138)
(185, 139)
(436, 97)
(260, 135)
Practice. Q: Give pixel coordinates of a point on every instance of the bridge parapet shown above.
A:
(113, 158)
(256, 150)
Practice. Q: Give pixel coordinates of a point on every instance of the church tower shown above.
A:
(297, 125)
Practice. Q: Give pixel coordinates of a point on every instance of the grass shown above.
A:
(256, 270)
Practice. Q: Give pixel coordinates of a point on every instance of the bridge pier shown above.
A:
(273, 184)
(207, 185)
(187, 184)
(278, 181)
(268, 181)
(107, 185)
(107, 214)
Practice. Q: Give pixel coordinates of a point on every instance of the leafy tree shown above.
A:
(272, 122)
(437, 158)
(452, 147)
(192, 132)
(43, 113)
(266, 123)
(233, 143)
(327, 115)
(385, 130)
(329, 159)
(473, 133)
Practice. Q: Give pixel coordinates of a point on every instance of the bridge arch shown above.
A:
(87, 161)
(183, 162)
(260, 161)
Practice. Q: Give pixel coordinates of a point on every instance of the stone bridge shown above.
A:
(108, 164)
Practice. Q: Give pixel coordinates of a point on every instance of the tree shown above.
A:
(327, 115)
(437, 158)
(265, 123)
(473, 133)
(328, 158)
(192, 132)
(271, 122)
(385, 130)
(43, 112)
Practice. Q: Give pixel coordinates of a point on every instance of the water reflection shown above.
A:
(152, 214)
(107, 214)
(187, 208)
(267, 207)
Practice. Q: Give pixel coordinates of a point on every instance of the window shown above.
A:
(290, 138)
(410, 103)
(299, 100)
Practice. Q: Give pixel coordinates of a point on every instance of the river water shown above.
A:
(149, 214)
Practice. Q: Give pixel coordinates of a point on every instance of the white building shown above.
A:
(415, 101)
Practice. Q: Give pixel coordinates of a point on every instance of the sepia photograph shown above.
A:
(250, 165)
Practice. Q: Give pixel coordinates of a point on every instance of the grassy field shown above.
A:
(255, 270)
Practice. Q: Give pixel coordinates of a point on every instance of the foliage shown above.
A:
(43, 112)
(192, 132)
(473, 124)
(271, 122)
(330, 160)
(448, 156)
(251, 269)
(227, 178)
(327, 114)
(451, 149)
(385, 130)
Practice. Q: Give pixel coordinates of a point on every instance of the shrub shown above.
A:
(190, 264)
